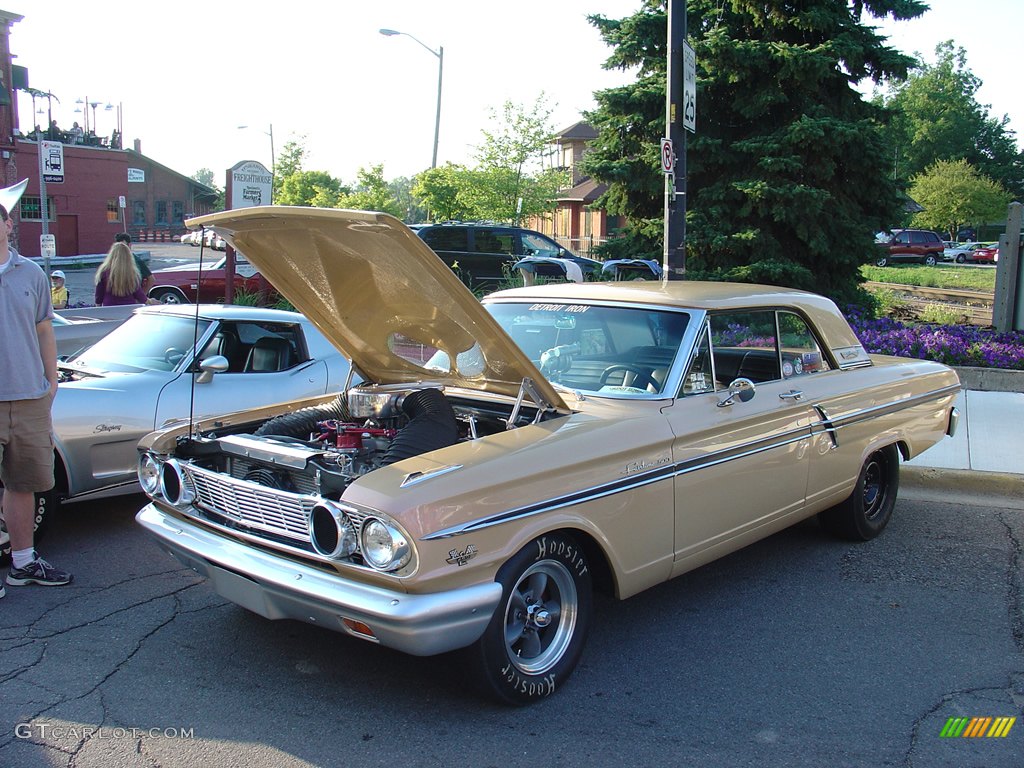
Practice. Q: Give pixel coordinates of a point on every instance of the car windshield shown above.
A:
(594, 348)
(145, 342)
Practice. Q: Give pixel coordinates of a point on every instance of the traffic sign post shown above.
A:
(48, 250)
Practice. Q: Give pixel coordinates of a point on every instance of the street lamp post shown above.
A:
(439, 53)
(273, 163)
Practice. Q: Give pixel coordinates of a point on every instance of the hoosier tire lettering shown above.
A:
(535, 638)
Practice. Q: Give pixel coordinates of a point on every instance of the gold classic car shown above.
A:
(501, 460)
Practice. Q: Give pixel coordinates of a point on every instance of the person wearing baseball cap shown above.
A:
(58, 293)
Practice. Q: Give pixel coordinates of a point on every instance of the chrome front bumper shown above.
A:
(278, 588)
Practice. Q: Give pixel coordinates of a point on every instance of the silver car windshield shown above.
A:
(144, 342)
(594, 348)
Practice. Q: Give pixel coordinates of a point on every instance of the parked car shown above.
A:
(504, 459)
(180, 284)
(987, 254)
(76, 329)
(483, 255)
(962, 252)
(140, 377)
(919, 245)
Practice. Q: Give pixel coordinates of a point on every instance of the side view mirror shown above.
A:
(209, 366)
(742, 388)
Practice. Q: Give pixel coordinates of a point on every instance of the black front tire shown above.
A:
(537, 633)
(869, 508)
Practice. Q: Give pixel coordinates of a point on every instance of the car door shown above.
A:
(491, 250)
(741, 467)
(246, 384)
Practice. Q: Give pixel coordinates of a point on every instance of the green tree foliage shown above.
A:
(295, 186)
(317, 188)
(939, 118)
(412, 210)
(509, 164)
(443, 192)
(953, 194)
(371, 193)
(206, 177)
(787, 173)
(289, 160)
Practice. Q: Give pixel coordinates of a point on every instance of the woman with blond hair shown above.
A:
(117, 280)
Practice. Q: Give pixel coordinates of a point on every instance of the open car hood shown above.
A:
(372, 286)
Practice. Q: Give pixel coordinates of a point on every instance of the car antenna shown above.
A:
(195, 338)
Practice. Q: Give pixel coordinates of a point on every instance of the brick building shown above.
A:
(84, 210)
(576, 222)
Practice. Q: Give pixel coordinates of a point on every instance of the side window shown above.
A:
(446, 238)
(493, 241)
(270, 347)
(744, 345)
(534, 245)
(903, 238)
(699, 376)
(800, 351)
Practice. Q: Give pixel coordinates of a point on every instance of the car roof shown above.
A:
(224, 312)
(697, 295)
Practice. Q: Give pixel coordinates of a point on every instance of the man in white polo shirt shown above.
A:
(28, 383)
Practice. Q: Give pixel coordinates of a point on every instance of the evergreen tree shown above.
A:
(787, 173)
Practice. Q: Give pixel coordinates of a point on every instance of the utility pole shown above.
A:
(678, 106)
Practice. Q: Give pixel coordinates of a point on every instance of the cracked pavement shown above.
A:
(798, 651)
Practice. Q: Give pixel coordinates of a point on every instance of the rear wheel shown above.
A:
(881, 261)
(168, 296)
(868, 509)
(929, 260)
(536, 635)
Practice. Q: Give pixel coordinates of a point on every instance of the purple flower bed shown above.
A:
(949, 344)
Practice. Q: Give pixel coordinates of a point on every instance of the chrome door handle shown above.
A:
(793, 394)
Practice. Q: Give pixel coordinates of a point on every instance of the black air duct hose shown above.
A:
(432, 425)
(302, 423)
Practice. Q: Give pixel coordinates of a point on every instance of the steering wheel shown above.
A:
(642, 379)
(173, 355)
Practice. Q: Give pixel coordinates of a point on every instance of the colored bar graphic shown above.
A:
(976, 727)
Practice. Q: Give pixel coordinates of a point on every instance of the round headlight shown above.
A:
(149, 474)
(172, 484)
(330, 531)
(384, 546)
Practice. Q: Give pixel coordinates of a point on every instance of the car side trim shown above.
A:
(826, 424)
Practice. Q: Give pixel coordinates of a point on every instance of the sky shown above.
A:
(186, 75)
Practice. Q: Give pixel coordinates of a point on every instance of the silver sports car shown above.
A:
(143, 375)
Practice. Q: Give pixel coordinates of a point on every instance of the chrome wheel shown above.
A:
(540, 616)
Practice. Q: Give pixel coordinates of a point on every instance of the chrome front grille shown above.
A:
(253, 505)
(258, 507)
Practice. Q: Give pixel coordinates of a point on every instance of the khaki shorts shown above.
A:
(26, 445)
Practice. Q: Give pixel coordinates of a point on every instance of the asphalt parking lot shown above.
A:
(797, 651)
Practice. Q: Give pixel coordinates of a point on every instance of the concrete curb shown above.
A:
(990, 379)
(947, 484)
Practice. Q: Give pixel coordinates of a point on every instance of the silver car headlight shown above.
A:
(149, 474)
(384, 546)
